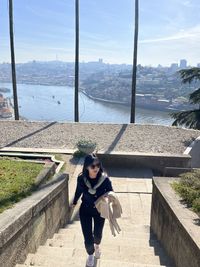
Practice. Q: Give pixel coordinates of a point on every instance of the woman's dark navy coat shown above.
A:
(87, 198)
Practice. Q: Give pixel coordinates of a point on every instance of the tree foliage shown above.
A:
(191, 118)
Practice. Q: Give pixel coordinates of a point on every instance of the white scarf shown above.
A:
(92, 190)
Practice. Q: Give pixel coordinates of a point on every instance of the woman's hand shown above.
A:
(106, 198)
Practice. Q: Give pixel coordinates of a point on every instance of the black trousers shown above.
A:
(88, 216)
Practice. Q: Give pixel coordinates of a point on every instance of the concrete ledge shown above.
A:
(175, 171)
(194, 151)
(32, 220)
(175, 225)
(155, 161)
(37, 150)
(72, 189)
(45, 173)
(33, 157)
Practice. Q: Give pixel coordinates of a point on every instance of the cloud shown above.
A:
(167, 32)
(192, 33)
(168, 49)
(188, 3)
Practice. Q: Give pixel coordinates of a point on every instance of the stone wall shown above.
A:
(155, 161)
(194, 151)
(175, 225)
(32, 220)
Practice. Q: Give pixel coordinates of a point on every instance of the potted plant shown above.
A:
(86, 146)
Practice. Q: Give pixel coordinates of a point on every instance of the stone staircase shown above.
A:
(135, 246)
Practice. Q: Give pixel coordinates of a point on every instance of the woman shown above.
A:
(93, 182)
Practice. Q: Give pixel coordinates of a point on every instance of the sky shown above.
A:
(169, 30)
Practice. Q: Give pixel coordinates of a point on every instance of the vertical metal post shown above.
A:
(134, 74)
(76, 100)
(12, 51)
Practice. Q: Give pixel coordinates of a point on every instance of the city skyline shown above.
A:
(101, 61)
(44, 31)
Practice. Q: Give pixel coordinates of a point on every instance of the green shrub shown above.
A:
(189, 189)
(196, 205)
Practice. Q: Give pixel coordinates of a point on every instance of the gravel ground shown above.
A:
(116, 137)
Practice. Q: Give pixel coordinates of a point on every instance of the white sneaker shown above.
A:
(97, 252)
(90, 261)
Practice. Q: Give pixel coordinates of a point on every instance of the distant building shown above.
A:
(198, 65)
(174, 67)
(183, 63)
(101, 60)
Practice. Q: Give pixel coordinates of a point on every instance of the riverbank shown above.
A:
(104, 100)
(40, 103)
(140, 105)
(144, 138)
(10, 103)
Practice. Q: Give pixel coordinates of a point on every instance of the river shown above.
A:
(38, 102)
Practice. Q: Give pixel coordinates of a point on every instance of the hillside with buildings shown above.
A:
(157, 87)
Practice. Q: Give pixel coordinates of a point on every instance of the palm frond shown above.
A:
(195, 97)
(190, 75)
(190, 119)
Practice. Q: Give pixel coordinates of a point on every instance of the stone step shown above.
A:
(138, 218)
(71, 250)
(154, 249)
(71, 244)
(100, 263)
(23, 265)
(113, 263)
(78, 259)
(124, 227)
(145, 256)
(108, 234)
(58, 240)
(77, 243)
(106, 228)
(119, 240)
(123, 220)
(51, 261)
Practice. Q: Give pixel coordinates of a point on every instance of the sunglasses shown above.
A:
(92, 166)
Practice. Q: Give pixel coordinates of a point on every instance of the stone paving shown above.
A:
(135, 246)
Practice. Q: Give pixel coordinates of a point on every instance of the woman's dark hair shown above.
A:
(89, 159)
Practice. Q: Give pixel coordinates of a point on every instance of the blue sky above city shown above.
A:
(44, 30)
